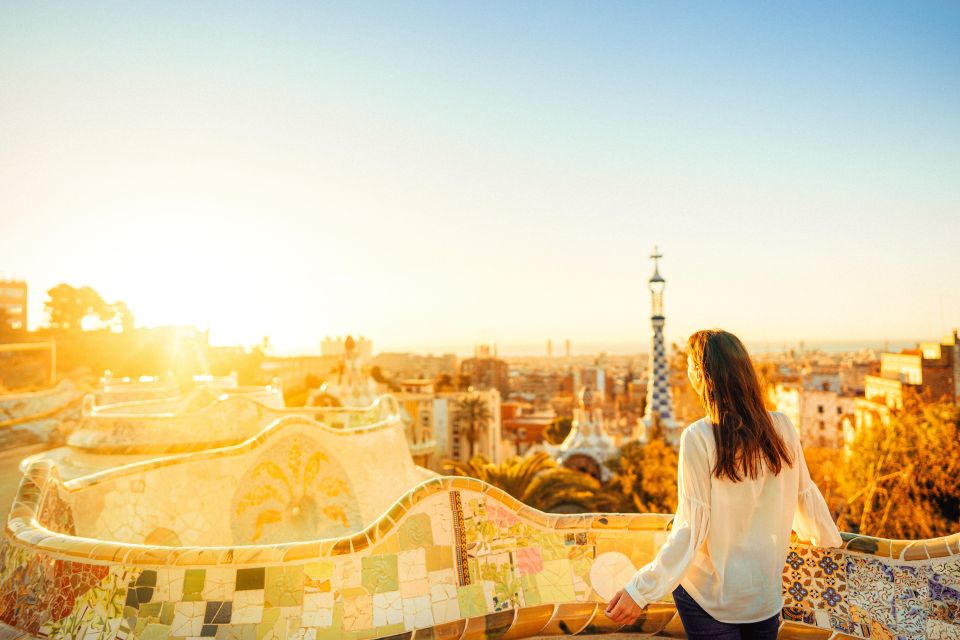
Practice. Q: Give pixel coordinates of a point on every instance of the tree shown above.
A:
(68, 306)
(122, 316)
(646, 476)
(471, 415)
(539, 482)
(444, 382)
(557, 431)
(827, 470)
(377, 374)
(901, 477)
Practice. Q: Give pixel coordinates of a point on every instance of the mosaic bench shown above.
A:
(27, 418)
(449, 558)
(225, 420)
(202, 395)
(111, 390)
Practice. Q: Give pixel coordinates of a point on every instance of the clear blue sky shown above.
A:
(433, 174)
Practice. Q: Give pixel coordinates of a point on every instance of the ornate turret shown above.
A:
(588, 445)
(350, 386)
(659, 402)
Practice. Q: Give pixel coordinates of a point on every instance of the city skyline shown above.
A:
(549, 347)
(453, 174)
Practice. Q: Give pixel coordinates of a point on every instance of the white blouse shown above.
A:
(729, 539)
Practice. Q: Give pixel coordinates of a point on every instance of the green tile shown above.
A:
(244, 631)
(380, 573)
(472, 601)
(531, 594)
(335, 631)
(474, 568)
(416, 532)
(193, 585)
(389, 630)
(155, 632)
(150, 610)
(250, 579)
(552, 546)
(166, 613)
(284, 586)
(267, 624)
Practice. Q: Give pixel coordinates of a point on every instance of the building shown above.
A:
(13, 301)
(400, 365)
(293, 371)
(349, 385)
(853, 374)
(452, 441)
(932, 370)
(362, 347)
(659, 401)
(595, 378)
(524, 427)
(486, 371)
(423, 415)
(539, 387)
(817, 414)
(588, 446)
(821, 377)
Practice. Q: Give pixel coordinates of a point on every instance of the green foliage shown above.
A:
(472, 415)
(539, 482)
(901, 476)
(67, 306)
(646, 476)
(444, 382)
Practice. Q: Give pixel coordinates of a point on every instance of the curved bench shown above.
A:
(452, 557)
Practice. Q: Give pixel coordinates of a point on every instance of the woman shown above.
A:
(742, 485)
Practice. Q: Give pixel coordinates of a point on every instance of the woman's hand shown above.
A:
(623, 609)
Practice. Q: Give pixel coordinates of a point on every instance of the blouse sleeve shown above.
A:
(812, 520)
(662, 575)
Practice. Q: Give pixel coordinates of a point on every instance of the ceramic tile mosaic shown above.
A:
(284, 488)
(910, 604)
(201, 420)
(451, 558)
(38, 416)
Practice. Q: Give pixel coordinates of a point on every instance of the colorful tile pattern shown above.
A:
(452, 556)
(131, 428)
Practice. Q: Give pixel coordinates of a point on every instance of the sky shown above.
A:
(435, 175)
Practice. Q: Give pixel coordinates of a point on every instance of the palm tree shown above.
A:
(471, 415)
(539, 482)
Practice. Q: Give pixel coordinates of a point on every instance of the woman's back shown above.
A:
(736, 574)
(742, 485)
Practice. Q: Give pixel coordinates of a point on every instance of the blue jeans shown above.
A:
(699, 624)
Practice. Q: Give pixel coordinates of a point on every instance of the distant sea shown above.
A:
(633, 348)
(772, 346)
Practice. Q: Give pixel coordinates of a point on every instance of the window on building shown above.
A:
(819, 408)
(823, 426)
(839, 411)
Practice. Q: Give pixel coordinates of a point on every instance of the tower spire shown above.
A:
(656, 255)
(659, 400)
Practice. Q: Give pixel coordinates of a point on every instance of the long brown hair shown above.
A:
(731, 396)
